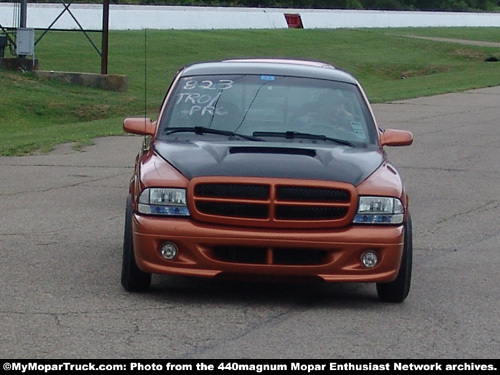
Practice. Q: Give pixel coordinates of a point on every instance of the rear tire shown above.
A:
(397, 290)
(132, 278)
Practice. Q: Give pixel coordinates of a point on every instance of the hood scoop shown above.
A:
(272, 150)
(202, 159)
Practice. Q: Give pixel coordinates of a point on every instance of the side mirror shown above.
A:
(393, 137)
(139, 125)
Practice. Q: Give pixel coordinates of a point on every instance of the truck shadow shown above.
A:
(256, 292)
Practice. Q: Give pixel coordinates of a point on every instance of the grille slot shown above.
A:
(248, 255)
(304, 193)
(232, 209)
(246, 191)
(299, 257)
(278, 256)
(309, 213)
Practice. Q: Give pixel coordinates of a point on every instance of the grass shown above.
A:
(38, 114)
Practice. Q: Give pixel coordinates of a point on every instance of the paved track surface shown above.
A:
(60, 247)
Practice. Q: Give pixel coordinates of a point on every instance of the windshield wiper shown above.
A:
(203, 130)
(295, 135)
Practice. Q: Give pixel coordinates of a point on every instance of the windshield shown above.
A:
(268, 105)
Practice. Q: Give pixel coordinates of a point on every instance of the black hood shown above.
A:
(275, 160)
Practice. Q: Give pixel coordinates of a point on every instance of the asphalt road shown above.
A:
(61, 228)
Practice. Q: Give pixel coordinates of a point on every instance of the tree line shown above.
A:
(444, 5)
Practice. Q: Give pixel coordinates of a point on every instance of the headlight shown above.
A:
(163, 201)
(379, 210)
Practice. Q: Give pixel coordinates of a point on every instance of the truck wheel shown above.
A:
(397, 290)
(133, 279)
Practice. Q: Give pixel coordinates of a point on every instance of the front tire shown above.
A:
(132, 278)
(397, 290)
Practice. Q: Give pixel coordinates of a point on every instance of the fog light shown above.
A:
(168, 250)
(369, 259)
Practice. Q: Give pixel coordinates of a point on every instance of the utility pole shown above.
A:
(24, 14)
(105, 35)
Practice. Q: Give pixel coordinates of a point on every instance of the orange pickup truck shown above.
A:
(267, 168)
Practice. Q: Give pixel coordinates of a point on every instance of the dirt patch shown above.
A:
(424, 71)
(470, 55)
(457, 41)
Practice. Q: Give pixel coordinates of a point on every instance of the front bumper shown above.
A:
(211, 250)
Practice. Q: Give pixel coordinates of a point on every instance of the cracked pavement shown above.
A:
(60, 244)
